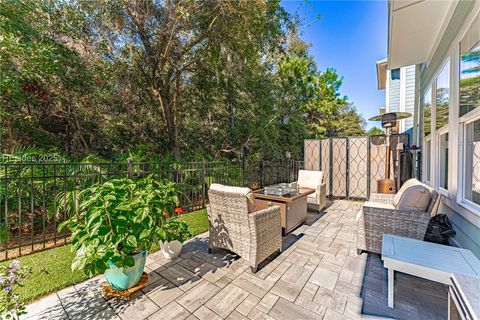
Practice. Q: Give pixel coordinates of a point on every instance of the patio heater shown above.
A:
(389, 121)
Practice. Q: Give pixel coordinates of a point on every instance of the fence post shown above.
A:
(130, 168)
(204, 189)
(330, 166)
(243, 172)
(347, 165)
(369, 164)
(262, 178)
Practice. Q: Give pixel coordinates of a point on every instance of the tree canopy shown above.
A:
(178, 79)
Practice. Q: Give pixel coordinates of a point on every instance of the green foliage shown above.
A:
(196, 221)
(118, 218)
(375, 131)
(175, 229)
(233, 78)
(51, 269)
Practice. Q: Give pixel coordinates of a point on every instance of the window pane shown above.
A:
(427, 112)
(470, 68)
(444, 161)
(472, 164)
(470, 80)
(442, 95)
(395, 74)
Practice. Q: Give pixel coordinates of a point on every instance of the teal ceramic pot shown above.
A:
(121, 278)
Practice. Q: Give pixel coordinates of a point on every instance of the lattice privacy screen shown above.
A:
(352, 165)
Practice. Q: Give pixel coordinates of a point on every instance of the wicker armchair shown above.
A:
(314, 180)
(236, 226)
(379, 216)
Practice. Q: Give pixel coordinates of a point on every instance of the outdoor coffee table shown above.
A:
(293, 207)
(426, 260)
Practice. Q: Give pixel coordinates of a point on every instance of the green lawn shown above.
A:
(197, 221)
(51, 268)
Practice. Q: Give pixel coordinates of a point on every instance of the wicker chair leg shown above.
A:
(359, 251)
(210, 250)
(254, 269)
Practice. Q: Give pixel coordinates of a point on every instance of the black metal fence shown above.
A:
(36, 197)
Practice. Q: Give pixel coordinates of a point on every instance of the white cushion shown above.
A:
(309, 179)
(217, 187)
(378, 205)
(404, 187)
(413, 195)
(312, 196)
(241, 190)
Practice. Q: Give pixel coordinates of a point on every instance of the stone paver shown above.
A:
(198, 296)
(247, 305)
(172, 311)
(286, 310)
(227, 300)
(317, 276)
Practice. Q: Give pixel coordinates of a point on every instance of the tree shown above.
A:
(165, 44)
(175, 79)
(375, 131)
(47, 86)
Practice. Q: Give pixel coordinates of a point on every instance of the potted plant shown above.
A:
(117, 222)
(174, 233)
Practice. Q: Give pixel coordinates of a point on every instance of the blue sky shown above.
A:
(350, 36)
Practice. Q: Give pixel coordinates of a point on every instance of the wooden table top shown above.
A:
(303, 192)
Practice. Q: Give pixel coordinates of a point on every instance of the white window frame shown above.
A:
(427, 165)
(467, 119)
(428, 137)
(471, 210)
(457, 165)
(445, 129)
(438, 150)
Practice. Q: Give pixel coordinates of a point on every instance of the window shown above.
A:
(427, 112)
(395, 74)
(470, 69)
(472, 162)
(443, 161)
(469, 101)
(442, 95)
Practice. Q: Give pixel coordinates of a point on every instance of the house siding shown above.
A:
(467, 235)
(400, 96)
(393, 103)
(409, 96)
(466, 225)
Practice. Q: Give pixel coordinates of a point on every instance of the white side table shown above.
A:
(425, 260)
(464, 298)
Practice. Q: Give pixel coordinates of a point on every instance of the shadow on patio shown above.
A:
(318, 275)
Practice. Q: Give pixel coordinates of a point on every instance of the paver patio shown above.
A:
(318, 276)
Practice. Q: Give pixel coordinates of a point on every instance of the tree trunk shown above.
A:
(10, 141)
(230, 105)
(170, 121)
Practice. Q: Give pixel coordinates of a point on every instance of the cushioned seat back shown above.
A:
(434, 199)
(309, 179)
(247, 192)
(413, 195)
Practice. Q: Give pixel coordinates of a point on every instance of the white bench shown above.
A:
(425, 260)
